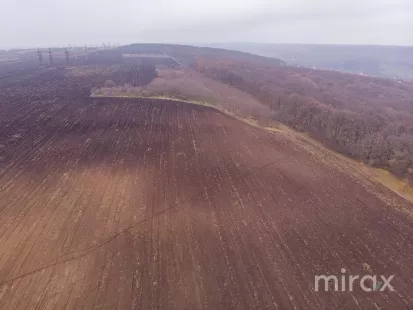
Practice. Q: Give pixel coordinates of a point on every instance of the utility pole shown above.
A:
(67, 55)
(50, 56)
(39, 53)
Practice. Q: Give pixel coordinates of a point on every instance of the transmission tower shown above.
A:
(50, 56)
(39, 53)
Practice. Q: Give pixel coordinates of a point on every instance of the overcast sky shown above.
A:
(32, 23)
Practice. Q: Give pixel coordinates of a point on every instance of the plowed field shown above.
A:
(127, 203)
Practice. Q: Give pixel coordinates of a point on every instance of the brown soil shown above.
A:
(127, 203)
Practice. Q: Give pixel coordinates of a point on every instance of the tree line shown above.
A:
(370, 119)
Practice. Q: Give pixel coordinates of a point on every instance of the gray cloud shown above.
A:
(47, 22)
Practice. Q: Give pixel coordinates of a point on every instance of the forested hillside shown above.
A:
(370, 119)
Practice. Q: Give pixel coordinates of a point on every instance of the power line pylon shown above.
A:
(39, 54)
(67, 55)
(50, 56)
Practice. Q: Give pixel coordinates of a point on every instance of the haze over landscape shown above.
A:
(59, 23)
(231, 172)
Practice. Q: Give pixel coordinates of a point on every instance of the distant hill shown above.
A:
(384, 61)
(186, 54)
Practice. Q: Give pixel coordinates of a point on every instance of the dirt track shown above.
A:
(120, 204)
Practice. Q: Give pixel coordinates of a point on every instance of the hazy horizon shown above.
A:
(352, 22)
(213, 44)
